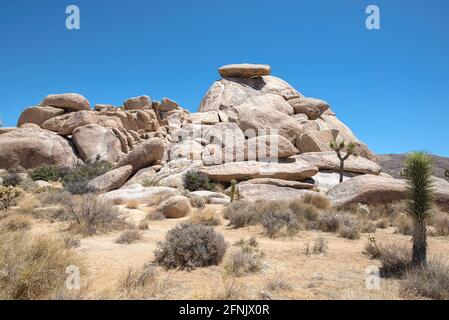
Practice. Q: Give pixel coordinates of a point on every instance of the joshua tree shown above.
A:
(349, 149)
(418, 173)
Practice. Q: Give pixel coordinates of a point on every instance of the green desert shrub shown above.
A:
(195, 181)
(12, 179)
(190, 246)
(45, 173)
(33, 268)
(76, 179)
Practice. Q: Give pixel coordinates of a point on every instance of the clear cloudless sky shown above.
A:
(390, 86)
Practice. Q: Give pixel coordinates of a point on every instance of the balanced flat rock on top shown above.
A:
(244, 70)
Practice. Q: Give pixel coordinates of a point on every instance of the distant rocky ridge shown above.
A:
(394, 163)
(159, 141)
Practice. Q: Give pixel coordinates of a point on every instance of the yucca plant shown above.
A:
(234, 190)
(342, 146)
(418, 173)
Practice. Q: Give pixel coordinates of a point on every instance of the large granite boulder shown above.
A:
(138, 103)
(144, 154)
(30, 148)
(175, 207)
(368, 189)
(67, 101)
(315, 141)
(38, 115)
(66, 123)
(94, 142)
(111, 180)
(311, 107)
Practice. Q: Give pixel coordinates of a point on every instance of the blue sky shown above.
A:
(391, 86)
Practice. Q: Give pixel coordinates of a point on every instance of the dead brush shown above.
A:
(207, 216)
(34, 268)
(430, 281)
(16, 222)
(280, 282)
(132, 204)
(245, 257)
(317, 200)
(142, 284)
(441, 224)
(90, 214)
(128, 237)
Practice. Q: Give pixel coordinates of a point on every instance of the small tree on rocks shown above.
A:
(342, 146)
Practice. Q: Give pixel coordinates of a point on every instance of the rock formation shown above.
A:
(243, 118)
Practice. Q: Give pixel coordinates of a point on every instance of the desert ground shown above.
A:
(287, 272)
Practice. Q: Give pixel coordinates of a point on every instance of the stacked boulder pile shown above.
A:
(152, 144)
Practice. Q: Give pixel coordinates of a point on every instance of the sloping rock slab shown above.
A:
(298, 170)
(266, 192)
(280, 183)
(150, 195)
(330, 161)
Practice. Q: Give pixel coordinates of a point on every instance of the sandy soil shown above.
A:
(340, 273)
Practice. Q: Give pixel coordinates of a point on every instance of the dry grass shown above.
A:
(155, 216)
(317, 200)
(441, 224)
(431, 281)
(143, 225)
(207, 216)
(128, 237)
(132, 204)
(143, 284)
(403, 224)
(280, 282)
(198, 202)
(245, 257)
(89, 214)
(33, 268)
(16, 222)
(27, 202)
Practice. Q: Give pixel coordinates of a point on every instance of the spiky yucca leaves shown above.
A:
(348, 148)
(418, 173)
